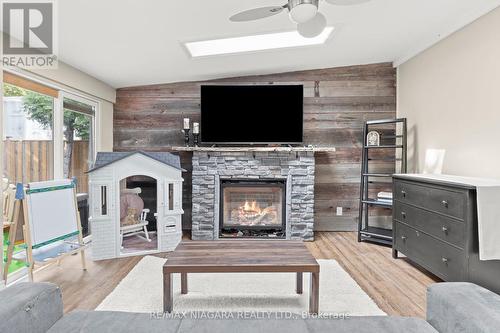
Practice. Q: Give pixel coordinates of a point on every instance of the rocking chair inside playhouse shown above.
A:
(133, 215)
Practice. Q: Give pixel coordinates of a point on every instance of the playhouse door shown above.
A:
(139, 207)
(169, 217)
(102, 220)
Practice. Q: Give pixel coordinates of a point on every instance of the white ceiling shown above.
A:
(138, 42)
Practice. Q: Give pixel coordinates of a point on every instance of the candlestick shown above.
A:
(186, 136)
(195, 139)
(186, 123)
(196, 128)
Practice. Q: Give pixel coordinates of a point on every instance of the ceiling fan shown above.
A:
(310, 22)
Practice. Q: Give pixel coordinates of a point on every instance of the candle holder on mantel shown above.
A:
(186, 136)
(196, 139)
(196, 133)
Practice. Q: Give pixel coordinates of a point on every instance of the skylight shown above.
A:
(255, 43)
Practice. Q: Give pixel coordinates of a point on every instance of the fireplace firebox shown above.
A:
(252, 208)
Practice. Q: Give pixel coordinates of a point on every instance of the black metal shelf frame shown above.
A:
(367, 232)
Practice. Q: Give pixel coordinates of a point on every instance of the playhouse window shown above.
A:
(104, 201)
(170, 196)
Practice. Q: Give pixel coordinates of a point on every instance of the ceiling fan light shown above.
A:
(312, 28)
(302, 10)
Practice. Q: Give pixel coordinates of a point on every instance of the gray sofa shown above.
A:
(451, 308)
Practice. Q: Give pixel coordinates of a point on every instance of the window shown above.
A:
(27, 135)
(28, 154)
(47, 133)
(78, 141)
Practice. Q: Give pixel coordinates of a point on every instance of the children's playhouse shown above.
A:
(135, 203)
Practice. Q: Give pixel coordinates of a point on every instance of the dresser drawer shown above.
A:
(440, 200)
(442, 259)
(442, 227)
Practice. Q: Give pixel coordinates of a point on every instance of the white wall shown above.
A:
(76, 79)
(105, 138)
(450, 94)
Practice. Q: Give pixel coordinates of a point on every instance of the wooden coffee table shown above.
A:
(241, 256)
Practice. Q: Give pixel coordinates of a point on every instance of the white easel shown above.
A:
(51, 218)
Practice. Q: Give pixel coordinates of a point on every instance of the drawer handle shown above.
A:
(445, 260)
(403, 193)
(403, 215)
(404, 238)
(445, 203)
(445, 230)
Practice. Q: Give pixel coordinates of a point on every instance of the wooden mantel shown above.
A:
(256, 149)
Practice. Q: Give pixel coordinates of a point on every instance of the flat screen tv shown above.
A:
(271, 114)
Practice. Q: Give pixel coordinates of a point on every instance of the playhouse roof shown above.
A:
(106, 158)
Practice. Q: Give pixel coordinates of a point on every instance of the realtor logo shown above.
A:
(29, 34)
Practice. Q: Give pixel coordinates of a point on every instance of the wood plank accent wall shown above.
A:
(336, 103)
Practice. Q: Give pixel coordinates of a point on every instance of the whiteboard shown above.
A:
(52, 211)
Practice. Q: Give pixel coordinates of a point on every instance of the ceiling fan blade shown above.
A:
(346, 2)
(256, 13)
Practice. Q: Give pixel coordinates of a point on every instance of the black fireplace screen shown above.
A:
(252, 204)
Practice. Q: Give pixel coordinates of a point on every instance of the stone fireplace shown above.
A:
(253, 194)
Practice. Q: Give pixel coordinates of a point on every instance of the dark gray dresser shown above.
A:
(435, 226)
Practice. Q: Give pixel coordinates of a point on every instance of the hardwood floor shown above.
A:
(134, 244)
(397, 286)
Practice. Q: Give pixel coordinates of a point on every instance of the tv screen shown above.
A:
(252, 114)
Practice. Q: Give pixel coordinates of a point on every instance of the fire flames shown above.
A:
(252, 208)
(251, 213)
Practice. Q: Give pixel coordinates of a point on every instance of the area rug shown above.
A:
(141, 291)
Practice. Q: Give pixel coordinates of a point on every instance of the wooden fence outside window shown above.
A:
(31, 160)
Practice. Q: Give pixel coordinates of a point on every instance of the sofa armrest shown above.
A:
(457, 307)
(30, 307)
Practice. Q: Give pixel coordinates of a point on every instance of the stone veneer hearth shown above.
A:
(297, 168)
